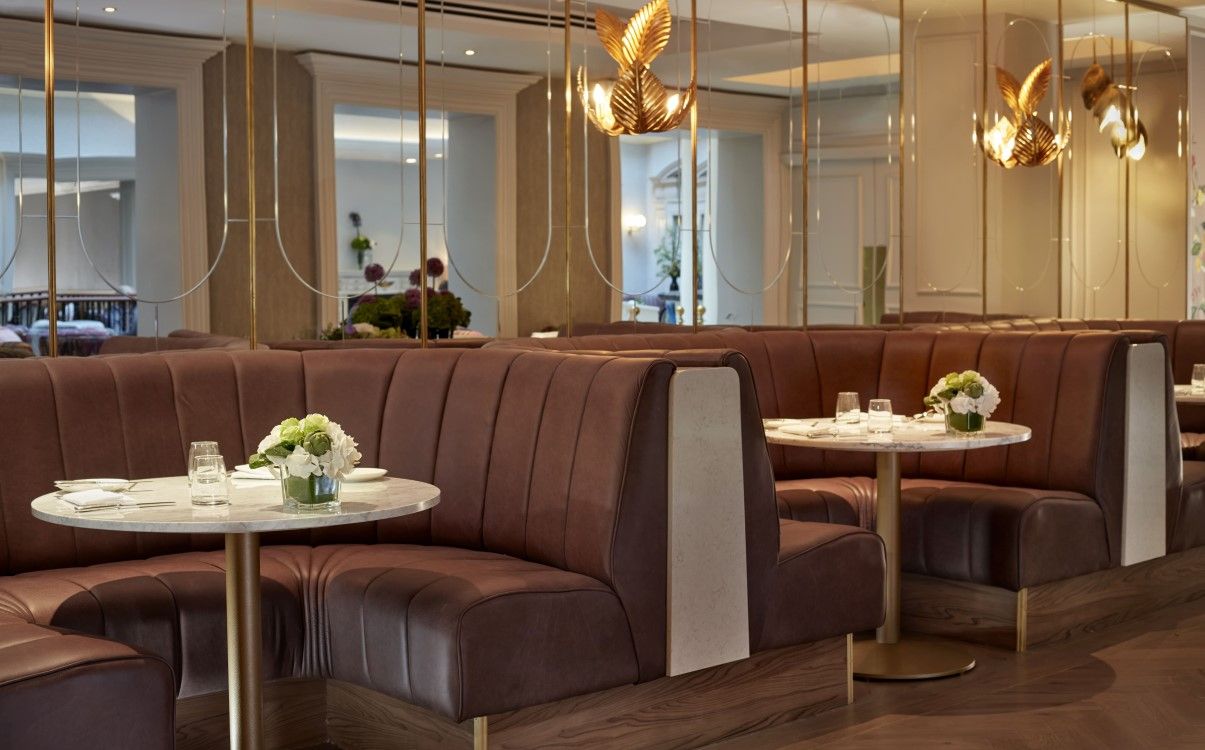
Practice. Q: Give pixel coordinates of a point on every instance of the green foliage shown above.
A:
(669, 253)
(360, 243)
(446, 312)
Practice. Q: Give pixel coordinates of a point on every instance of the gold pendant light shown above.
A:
(1029, 141)
(636, 101)
(1115, 112)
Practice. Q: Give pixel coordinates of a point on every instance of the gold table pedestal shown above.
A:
(909, 660)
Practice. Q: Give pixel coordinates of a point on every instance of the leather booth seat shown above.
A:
(1012, 517)
(540, 575)
(182, 339)
(306, 345)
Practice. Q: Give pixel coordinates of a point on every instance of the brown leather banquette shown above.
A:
(306, 345)
(540, 575)
(182, 339)
(1011, 517)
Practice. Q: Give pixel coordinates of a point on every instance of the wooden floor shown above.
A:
(1135, 686)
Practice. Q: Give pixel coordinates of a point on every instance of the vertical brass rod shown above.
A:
(1129, 123)
(695, 253)
(887, 483)
(423, 335)
(900, 176)
(52, 273)
(568, 213)
(251, 215)
(244, 640)
(983, 176)
(1061, 171)
(805, 167)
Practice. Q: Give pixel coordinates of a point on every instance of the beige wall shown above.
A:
(542, 305)
(286, 308)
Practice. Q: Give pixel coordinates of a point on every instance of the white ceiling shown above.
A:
(747, 45)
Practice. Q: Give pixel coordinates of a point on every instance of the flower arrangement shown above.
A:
(669, 254)
(311, 455)
(966, 399)
(398, 315)
(360, 244)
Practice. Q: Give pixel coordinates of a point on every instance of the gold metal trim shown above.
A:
(1129, 43)
(899, 190)
(849, 656)
(243, 634)
(423, 335)
(1061, 168)
(983, 170)
(52, 274)
(695, 248)
(253, 338)
(481, 736)
(806, 170)
(1022, 624)
(568, 185)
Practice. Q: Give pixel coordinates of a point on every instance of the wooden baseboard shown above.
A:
(1051, 612)
(294, 717)
(689, 710)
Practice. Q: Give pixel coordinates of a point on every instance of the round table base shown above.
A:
(909, 660)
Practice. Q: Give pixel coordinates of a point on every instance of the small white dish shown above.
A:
(774, 424)
(364, 474)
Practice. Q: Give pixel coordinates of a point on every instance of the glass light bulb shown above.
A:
(671, 104)
(1112, 116)
(1138, 150)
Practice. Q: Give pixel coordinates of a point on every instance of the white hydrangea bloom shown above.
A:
(962, 404)
(301, 464)
(272, 439)
(987, 403)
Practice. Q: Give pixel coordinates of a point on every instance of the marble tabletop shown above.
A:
(254, 506)
(906, 437)
(1185, 395)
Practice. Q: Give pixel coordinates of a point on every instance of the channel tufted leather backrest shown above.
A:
(553, 458)
(1067, 386)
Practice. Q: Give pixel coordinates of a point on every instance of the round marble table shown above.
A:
(889, 657)
(1185, 395)
(255, 507)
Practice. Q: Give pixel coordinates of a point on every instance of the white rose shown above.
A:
(272, 439)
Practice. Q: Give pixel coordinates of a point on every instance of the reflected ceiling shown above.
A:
(745, 46)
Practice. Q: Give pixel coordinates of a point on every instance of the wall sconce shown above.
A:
(636, 101)
(1115, 111)
(1029, 142)
(633, 223)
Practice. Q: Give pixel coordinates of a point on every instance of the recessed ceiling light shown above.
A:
(411, 160)
(439, 156)
(470, 52)
(109, 9)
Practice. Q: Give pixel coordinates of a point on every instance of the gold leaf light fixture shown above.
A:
(1115, 112)
(1028, 141)
(636, 101)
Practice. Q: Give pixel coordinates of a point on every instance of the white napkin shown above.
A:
(260, 474)
(93, 498)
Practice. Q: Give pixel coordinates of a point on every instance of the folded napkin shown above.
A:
(260, 474)
(93, 498)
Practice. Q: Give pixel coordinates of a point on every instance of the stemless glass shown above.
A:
(849, 408)
(209, 486)
(1198, 378)
(198, 449)
(878, 416)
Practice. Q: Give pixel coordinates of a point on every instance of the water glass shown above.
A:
(849, 408)
(878, 416)
(198, 449)
(209, 486)
(1198, 378)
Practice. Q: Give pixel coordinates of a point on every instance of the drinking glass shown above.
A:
(209, 486)
(849, 408)
(1198, 378)
(198, 449)
(878, 416)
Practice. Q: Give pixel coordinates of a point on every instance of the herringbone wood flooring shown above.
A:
(1136, 686)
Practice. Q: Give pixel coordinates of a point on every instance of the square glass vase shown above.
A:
(310, 494)
(964, 424)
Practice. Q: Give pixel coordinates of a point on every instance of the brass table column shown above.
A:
(244, 639)
(887, 657)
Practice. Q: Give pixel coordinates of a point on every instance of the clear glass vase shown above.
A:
(312, 494)
(964, 424)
